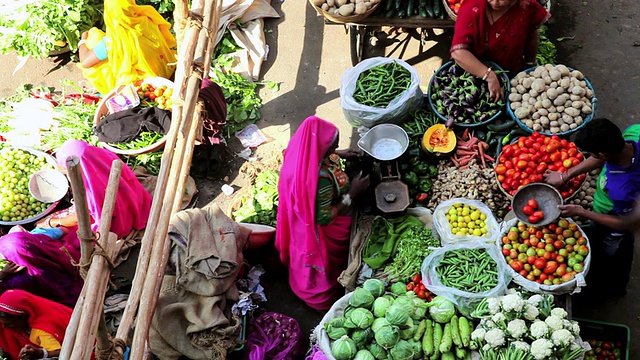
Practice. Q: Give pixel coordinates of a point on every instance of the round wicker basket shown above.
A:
(344, 19)
(450, 12)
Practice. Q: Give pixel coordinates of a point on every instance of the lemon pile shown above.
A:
(467, 220)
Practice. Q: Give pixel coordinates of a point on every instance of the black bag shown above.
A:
(124, 126)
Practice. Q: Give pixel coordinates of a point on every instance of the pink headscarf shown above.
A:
(315, 254)
(133, 202)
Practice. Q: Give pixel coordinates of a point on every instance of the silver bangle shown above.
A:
(346, 200)
(45, 353)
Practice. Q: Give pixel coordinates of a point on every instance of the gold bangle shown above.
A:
(486, 73)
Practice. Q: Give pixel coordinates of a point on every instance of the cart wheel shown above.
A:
(357, 36)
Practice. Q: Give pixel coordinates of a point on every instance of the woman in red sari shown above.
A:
(32, 327)
(502, 31)
(314, 212)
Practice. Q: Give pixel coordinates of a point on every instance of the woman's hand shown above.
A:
(359, 184)
(554, 178)
(31, 352)
(349, 153)
(10, 269)
(571, 210)
(495, 90)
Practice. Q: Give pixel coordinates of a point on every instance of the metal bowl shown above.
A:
(548, 199)
(385, 142)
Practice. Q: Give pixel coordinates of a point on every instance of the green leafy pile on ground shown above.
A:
(261, 206)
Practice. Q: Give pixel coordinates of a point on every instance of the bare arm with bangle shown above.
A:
(558, 179)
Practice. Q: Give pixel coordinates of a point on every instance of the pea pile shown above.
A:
(467, 220)
(470, 270)
(17, 166)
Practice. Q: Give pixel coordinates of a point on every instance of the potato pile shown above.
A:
(551, 99)
(345, 7)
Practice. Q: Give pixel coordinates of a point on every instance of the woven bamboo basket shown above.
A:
(344, 19)
(450, 12)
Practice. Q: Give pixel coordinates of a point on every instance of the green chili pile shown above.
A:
(470, 270)
(417, 123)
(379, 85)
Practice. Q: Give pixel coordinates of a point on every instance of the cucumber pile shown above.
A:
(407, 8)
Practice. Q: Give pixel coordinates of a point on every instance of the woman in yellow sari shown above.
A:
(137, 44)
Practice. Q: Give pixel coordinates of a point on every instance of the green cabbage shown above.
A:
(387, 336)
(337, 322)
(380, 306)
(402, 351)
(375, 286)
(378, 323)
(334, 332)
(396, 314)
(361, 318)
(399, 288)
(441, 309)
(378, 351)
(362, 337)
(420, 307)
(364, 355)
(361, 298)
(407, 330)
(344, 348)
(417, 348)
(391, 297)
(406, 303)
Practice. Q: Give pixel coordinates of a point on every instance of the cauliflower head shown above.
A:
(494, 337)
(539, 329)
(554, 322)
(541, 349)
(512, 302)
(562, 338)
(559, 312)
(521, 345)
(516, 328)
(477, 338)
(531, 312)
(494, 305)
(535, 299)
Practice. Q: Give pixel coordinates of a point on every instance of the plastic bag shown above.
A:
(368, 116)
(444, 229)
(570, 287)
(337, 309)
(465, 301)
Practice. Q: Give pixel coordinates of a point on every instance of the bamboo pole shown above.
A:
(92, 305)
(180, 13)
(85, 234)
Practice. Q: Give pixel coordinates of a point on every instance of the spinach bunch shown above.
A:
(262, 206)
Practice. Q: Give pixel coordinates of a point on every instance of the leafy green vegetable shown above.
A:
(361, 298)
(387, 336)
(362, 318)
(344, 348)
(413, 246)
(546, 49)
(441, 309)
(380, 306)
(396, 314)
(375, 286)
(402, 351)
(364, 355)
(378, 323)
(261, 206)
(37, 28)
(143, 140)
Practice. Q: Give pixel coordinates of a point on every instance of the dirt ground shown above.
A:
(308, 57)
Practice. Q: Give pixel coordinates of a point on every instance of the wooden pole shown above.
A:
(96, 281)
(85, 234)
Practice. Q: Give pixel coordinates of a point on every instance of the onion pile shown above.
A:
(275, 336)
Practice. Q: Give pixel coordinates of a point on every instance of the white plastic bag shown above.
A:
(368, 116)
(444, 229)
(570, 287)
(465, 301)
(337, 309)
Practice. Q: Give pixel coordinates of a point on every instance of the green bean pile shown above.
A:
(379, 85)
(470, 270)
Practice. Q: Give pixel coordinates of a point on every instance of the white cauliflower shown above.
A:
(516, 328)
(512, 302)
(562, 338)
(541, 349)
(477, 337)
(535, 299)
(499, 318)
(512, 291)
(494, 305)
(554, 322)
(575, 328)
(539, 329)
(521, 345)
(530, 312)
(559, 312)
(494, 337)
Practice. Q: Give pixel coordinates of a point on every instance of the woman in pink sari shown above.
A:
(133, 202)
(314, 212)
(502, 31)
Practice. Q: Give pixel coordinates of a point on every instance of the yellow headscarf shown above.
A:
(139, 45)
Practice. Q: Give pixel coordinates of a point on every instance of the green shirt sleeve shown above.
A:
(324, 201)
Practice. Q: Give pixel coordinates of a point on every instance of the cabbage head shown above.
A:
(380, 306)
(388, 336)
(362, 318)
(417, 348)
(361, 298)
(406, 302)
(375, 286)
(402, 351)
(378, 323)
(334, 332)
(420, 307)
(407, 330)
(441, 309)
(364, 355)
(378, 351)
(362, 338)
(344, 348)
(397, 315)
(391, 297)
(336, 322)
(399, 288)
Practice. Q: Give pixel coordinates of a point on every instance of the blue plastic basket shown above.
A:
(523, 126)
(446, 66)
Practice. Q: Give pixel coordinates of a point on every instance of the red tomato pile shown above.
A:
(604, 350)
(454, 5)
(418, 287)
(531, 210)
(525, 162)
(549, 255)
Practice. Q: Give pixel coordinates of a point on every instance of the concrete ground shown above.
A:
(308, 57)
